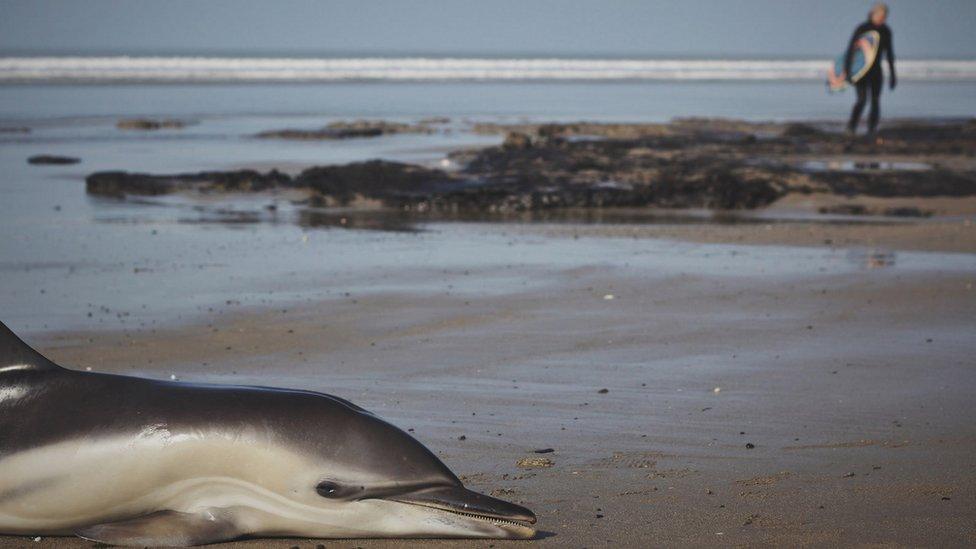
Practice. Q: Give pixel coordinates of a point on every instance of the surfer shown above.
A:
(873, 80)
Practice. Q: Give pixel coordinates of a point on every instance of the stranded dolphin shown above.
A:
(130, 461)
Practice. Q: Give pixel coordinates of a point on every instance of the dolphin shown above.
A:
(137, 462)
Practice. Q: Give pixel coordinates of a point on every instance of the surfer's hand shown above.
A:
(894, 82)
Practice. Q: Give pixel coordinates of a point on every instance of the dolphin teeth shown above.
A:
(485, 517)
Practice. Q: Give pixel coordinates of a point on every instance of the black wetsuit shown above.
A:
(874, 79)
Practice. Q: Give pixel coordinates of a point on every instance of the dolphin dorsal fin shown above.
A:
(17, 355)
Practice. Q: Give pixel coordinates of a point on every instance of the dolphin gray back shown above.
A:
(46, 403)
(15, 354)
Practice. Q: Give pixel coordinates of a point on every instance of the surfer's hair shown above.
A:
(879, 6)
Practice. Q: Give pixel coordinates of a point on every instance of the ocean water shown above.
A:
(573, 100)
(69, 261)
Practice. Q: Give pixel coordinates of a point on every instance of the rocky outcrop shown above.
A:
(517, 141)
(319, 134)
(147, 124)
(861, 209)
(120, 184)
(377, 179)
(723, 164)
(51, 159)
(348, 130)
(688, 164)
(937, 182)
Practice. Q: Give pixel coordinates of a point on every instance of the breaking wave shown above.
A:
(257, 69)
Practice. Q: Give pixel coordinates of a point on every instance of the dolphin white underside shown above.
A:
(262, 488)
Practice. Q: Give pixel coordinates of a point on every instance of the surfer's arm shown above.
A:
(890, 51)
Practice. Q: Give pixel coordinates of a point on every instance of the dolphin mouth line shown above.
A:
(512, 522)
(487, 518)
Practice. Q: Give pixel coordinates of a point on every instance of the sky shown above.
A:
(605, 28)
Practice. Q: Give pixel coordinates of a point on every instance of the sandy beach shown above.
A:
(802, 407)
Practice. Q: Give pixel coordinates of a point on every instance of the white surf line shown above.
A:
(203, 69)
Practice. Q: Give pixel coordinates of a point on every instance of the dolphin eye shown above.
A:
(328, 489)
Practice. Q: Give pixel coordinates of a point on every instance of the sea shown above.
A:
(69, 261)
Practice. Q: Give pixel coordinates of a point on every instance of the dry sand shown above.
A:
(822, 409)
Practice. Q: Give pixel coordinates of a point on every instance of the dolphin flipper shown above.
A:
(165, 529)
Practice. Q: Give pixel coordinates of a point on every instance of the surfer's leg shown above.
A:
(875, 115)
(862, 96)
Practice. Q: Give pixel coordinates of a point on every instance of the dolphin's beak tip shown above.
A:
(523, 514)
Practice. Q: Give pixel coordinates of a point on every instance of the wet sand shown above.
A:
(955, 235)
(810, 407)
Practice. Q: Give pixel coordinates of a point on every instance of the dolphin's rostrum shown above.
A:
(131, 461)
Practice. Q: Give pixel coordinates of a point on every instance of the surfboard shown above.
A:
(865, 50)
